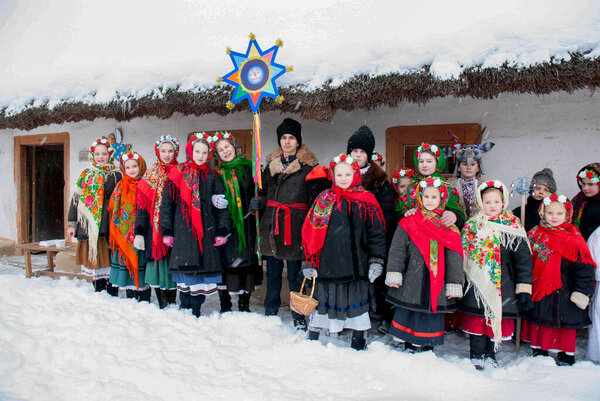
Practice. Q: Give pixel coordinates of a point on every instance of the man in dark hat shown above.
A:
(285, 200)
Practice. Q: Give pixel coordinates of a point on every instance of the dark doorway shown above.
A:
(44, 192)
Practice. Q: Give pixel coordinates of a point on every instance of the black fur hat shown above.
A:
(292, 127)
(362, 139)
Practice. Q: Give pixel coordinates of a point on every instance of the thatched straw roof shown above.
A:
(360, 92)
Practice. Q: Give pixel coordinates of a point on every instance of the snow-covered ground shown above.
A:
(98, 50)
(61, 341)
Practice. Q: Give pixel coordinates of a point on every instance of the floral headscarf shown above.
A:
(592, 172)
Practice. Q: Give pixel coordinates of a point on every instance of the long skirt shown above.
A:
(197, 285)
(476, 325)
(242, 280)
(120, 275)
(342, 306)
(593, 350)
(549, 338)
(158, 276)
(418, 328)
(101, 268)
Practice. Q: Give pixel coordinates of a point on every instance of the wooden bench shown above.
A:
(50, 252)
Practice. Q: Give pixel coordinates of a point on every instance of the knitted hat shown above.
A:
(362, 139)
(292, 127)
(543, 177)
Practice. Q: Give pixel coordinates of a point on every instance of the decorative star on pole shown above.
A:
(254, 74)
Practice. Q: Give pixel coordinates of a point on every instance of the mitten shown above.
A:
(525, 301)
(255, 204)
(220, 241)
(310, 272)
(219, 201)
(168, 241)
(375, 270)
(580, 300)
(138, 242)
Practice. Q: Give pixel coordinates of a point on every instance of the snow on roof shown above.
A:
(96, 51)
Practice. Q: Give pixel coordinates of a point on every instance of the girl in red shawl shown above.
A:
(563, 282)
(127, 269)
(344, 247)
(148, 238)
(424, 270)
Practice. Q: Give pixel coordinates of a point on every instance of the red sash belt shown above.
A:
(287, 234)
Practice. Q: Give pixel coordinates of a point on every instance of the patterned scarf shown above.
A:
(150, 192)
(187, 177)
(591, 171)
(89, 190)
(483, 237)
(431, 236)
(314, 229)
(232, 173)
(468, 186)
(551, 245)
(123, 210)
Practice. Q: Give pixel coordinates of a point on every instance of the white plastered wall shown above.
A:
(560, 131)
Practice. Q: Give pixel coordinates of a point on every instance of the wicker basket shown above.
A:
(302, 303)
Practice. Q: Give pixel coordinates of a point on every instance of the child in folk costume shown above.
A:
(425, 270)
(88, 217)
(242, 272)
(431, 162)
(378, 159)
(345, 248)
(148, 237)
(593, 351)
(542, 184)
(127, 269)
(194, 221)
(499, 273)
(563, 282)
(586, 204)
(402, 180)
(467, 175)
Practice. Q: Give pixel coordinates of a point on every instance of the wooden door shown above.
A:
(402, 141)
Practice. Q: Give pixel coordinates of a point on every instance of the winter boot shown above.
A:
(300, 323)
(538, 352)
(313, 334)
(112, 289)
(131, 294)
(100, 285)
(244, 302)
(161, 296)
(197, 301)
(171, 296)
(359, 342)
(477, 350)
(225, 300)
(144, 295)
(490, 353)
(562, 359)
(185, 300)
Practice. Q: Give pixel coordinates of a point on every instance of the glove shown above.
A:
(310, 272)
(219, 201)
(375, 270)
(525, 301)
(220, 241)
(255, 204)
(138, 242)
(168, 241)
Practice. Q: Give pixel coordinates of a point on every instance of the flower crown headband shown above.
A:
(166, 138)
(401, 173)
(104, 142)
(589, 174)
(430, 148)
(204, 136)
(343, 158)
(129, 155)
(555, 198)
(377, 157)
(430, 182)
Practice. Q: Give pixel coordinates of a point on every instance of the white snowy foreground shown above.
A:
(61, 341)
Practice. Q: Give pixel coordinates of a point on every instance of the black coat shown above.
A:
(286, 186)
(110, 182)
(186, 256)
(143, 228)
(232, 257)
(352, 242)
(414, 293)
(556, 309)
(532, 215)
(590, 217)
(375, 181)
(516, 269)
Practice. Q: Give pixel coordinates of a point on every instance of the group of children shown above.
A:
(421, 253)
